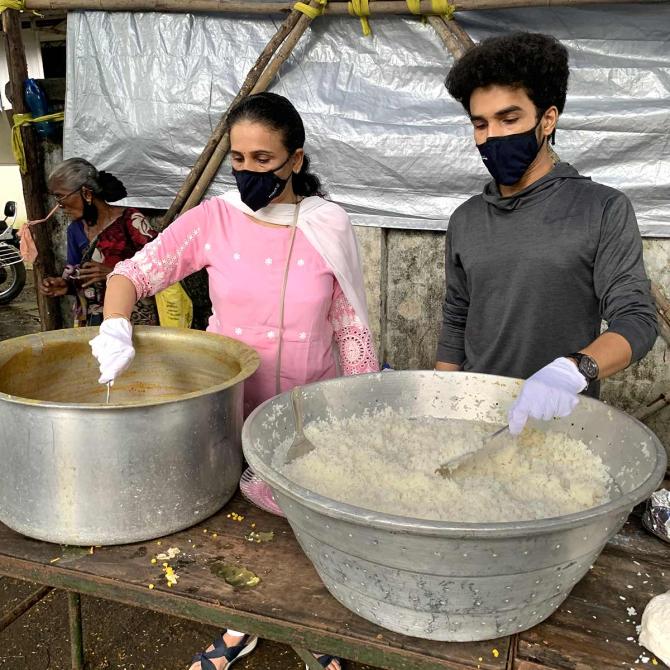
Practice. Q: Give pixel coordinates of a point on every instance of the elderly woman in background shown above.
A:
(100, 236)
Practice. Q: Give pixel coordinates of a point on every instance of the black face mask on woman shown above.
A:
(507, 157)
(257, 189)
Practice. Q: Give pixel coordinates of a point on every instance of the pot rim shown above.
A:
(249, 362)
(451, 529)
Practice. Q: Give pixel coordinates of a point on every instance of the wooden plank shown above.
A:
(290, 605)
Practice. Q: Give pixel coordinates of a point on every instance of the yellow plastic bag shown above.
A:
(175, 309)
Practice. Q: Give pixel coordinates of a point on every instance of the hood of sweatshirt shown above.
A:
(533, 194)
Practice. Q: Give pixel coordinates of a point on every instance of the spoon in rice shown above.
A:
(490, 446)
(301, 446)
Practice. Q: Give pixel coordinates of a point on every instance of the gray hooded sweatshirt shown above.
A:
(529, 277)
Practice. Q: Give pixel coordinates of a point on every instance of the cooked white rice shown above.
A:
(388, 463)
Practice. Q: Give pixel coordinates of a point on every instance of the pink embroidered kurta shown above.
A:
(245, 262)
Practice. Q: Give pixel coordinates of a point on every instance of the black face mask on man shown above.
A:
(507, 157)
(258, 189)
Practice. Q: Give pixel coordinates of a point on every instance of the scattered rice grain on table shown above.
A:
(386, 462)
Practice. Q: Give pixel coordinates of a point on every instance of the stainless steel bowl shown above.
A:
(442, 580)
(164, 454)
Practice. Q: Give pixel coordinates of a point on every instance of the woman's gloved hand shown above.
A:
(551, 392)
(113, 347)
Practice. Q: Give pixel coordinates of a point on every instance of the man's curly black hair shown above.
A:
(535, 62)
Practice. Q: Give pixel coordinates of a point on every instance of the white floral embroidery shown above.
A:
(271, 334)
(268, 261)
(238, 331)
(301, 262)
(303, 336)
(157, 270)
(236, 256)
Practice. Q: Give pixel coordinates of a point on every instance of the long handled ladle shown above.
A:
(490, 446)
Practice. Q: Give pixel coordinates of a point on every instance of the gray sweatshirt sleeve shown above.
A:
(451, 345)
(620, 280)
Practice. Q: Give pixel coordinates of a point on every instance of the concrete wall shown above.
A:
(404, 275)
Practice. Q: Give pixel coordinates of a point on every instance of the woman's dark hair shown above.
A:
(276, 112)
(535, 62)
(74, 173)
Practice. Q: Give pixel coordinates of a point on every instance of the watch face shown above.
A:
(589, 367)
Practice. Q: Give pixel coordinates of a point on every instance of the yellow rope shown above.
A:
(17, 141)
(12, 4)
(310, 11)
(414, 6)
(361, 9)
(444, 8)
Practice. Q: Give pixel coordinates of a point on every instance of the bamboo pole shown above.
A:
(34, 188)
(334, 8)
(220, 131)
(653, 407)
(452, 34)
(262, 84)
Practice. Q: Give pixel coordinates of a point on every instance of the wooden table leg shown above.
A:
(308, 658)
(76, 637)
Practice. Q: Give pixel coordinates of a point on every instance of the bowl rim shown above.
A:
(248, 366)
(460, 529)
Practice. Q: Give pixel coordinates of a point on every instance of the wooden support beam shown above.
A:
(334, 7)
(76, 634)
(25, 605)
(219, 133)
(282, 54)
(452, 34)
(34, 188)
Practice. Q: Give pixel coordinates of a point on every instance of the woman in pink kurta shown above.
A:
(283, 268)
(246, 261)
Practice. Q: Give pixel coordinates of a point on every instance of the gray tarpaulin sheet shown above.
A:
(145, 90)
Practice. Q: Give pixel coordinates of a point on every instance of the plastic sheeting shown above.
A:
(145, 91)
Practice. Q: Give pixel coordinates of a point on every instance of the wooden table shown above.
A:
(592, 629)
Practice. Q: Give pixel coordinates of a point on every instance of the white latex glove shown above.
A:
(113, 347)
(551, 392)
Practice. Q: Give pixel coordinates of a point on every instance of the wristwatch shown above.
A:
(587, 366)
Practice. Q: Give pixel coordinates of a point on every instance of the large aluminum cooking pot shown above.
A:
(437, 579)
(163, 455)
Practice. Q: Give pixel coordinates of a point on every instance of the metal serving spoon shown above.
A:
(490, 446)
(301, 446)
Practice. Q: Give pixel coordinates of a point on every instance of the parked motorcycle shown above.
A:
(12, 269)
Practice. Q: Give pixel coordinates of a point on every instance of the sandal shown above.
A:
(324, 660)
(221, 650)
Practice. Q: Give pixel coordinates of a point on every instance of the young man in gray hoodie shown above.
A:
(537, 260)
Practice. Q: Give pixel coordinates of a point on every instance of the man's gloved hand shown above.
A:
(113, 347)
(550, 392)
